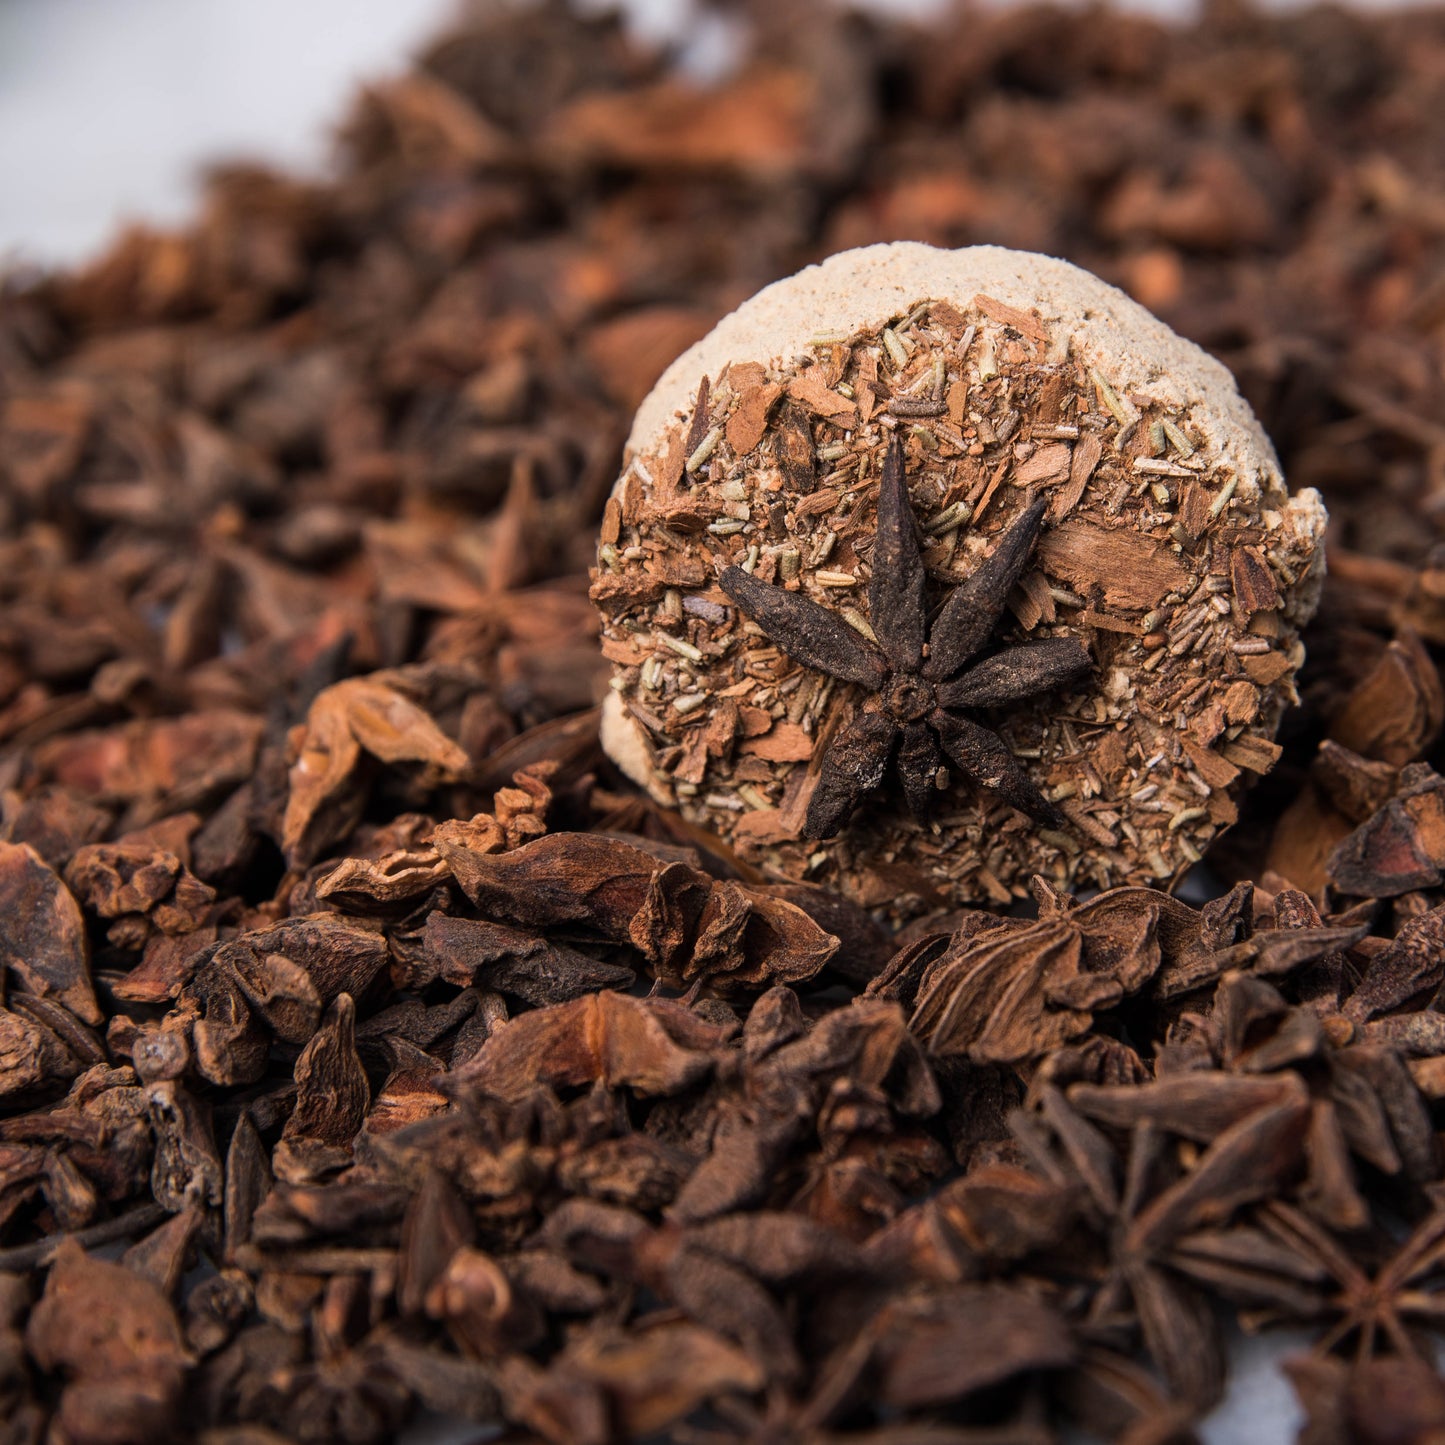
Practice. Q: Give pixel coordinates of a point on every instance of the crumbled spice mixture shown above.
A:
(1175, 572)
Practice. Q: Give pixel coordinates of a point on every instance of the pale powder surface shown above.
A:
(863, 289)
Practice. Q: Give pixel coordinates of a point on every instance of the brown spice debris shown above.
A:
(370, 1047)
(1130, 571)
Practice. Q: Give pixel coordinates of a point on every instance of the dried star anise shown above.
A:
(1376, 1296)
(919, 676)
(1144, 1192)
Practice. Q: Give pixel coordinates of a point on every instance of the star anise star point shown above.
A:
(920, 678)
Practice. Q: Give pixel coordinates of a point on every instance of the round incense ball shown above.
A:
(806, 489)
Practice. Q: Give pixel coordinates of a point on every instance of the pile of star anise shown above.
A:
(369, 1047)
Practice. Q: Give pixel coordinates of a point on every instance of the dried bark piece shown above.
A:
(42, 934)
(1399, 848)
(115, 1338)
(1411, 966)
(1398, 710)
(332, 1092)
(471, 951)
(748, 420)
(793, 448)
(689, 928)
(1131, 573)
(608, 1038)
(1355, 786)
(943, 1346)
(363, 715)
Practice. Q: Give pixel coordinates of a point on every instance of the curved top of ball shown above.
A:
(862, 289)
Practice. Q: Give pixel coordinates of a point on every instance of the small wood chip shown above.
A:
(785, 743)
(1133, 569)
(810, 392)
(1258, 755)
(1026, 323)
(748, 420)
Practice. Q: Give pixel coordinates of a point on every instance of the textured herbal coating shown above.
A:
(917, 687)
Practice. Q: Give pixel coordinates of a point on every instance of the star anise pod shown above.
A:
(919, 676)
(1376, 1297)
(1144, 1189)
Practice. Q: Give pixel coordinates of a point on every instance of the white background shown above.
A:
(110, 109)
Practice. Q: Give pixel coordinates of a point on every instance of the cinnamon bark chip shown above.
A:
(990, 588)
